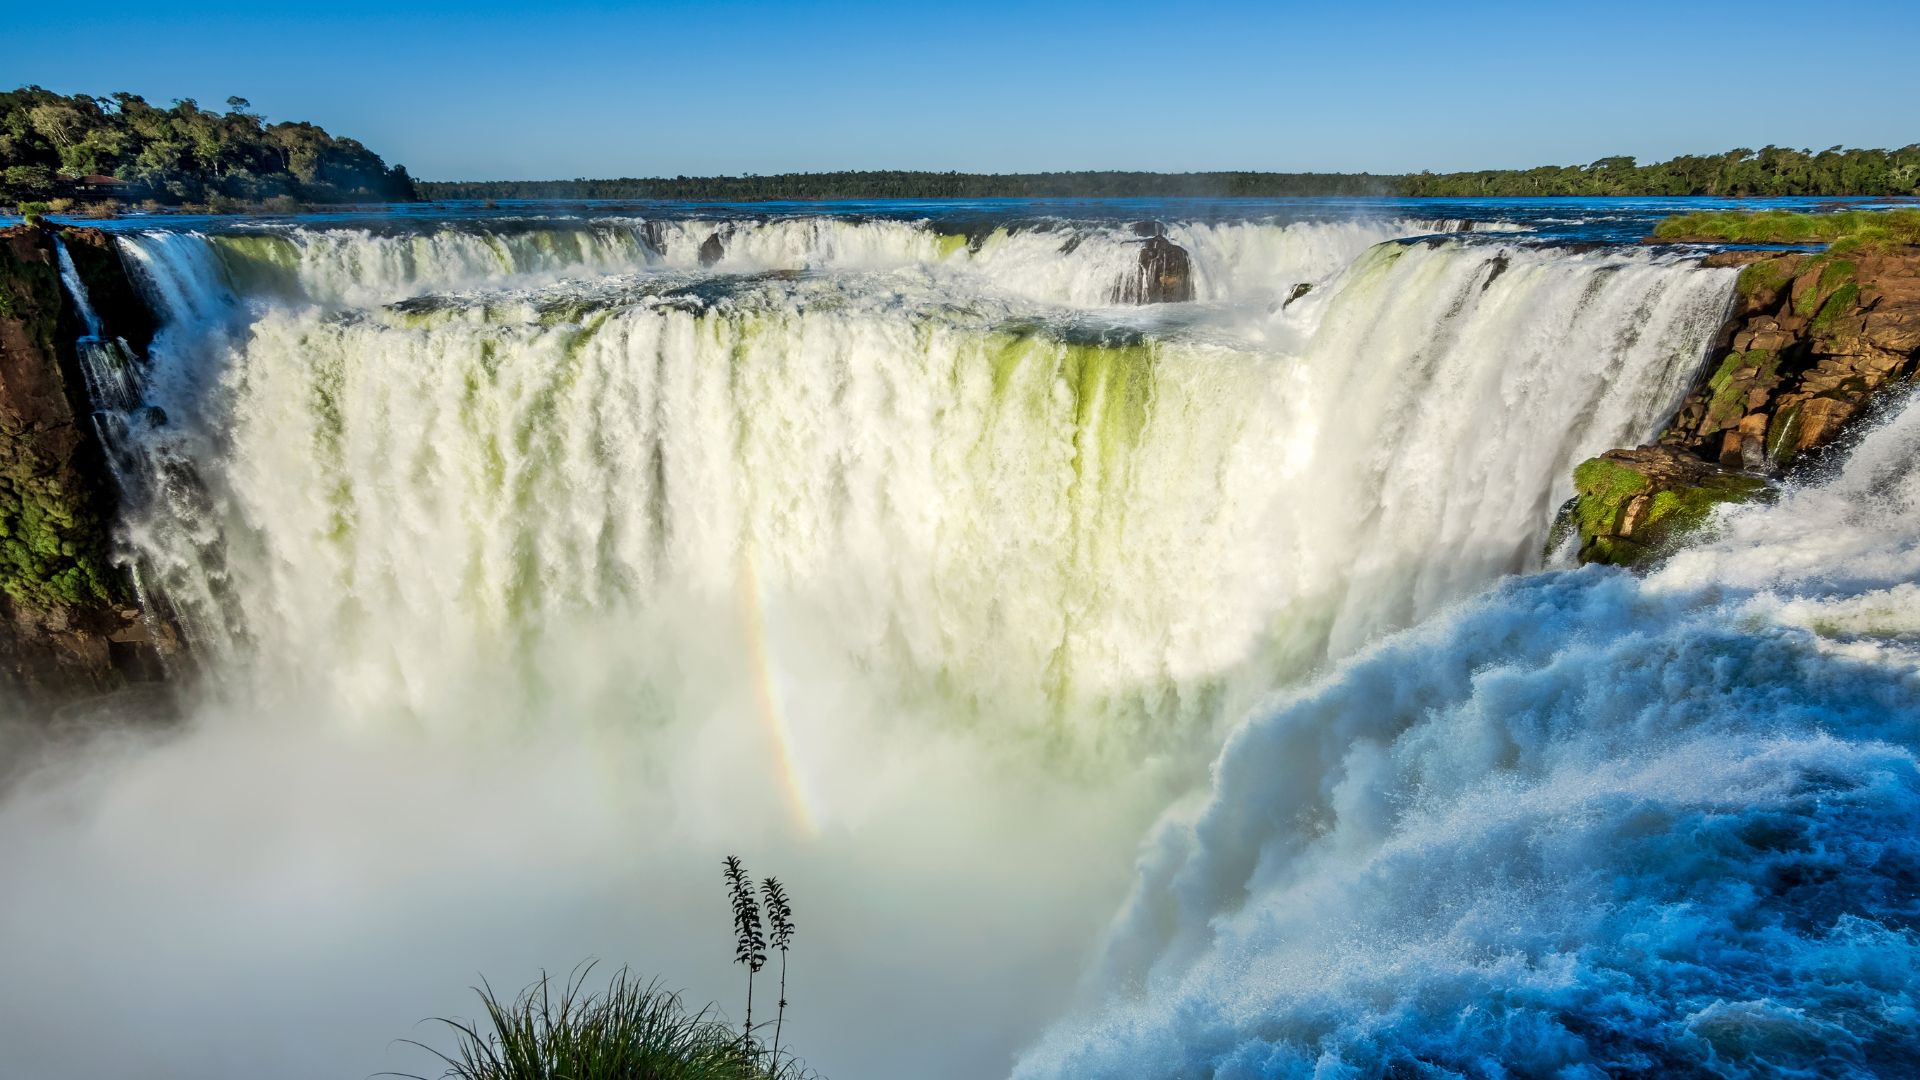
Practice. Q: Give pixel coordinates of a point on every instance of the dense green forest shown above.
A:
(1770, 171)
(898, 184)
(54, 146)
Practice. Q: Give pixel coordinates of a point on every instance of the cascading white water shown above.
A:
(533, 568)
(1083, 534)
(1589, 825)
(1046, 262)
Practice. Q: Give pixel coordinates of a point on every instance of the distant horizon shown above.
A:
(1097, 172)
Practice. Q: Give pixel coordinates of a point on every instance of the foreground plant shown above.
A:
(632, 1031)
(750, 943)
(780, 914)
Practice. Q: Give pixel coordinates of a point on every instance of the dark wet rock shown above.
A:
(1165, 274)
(712, 249)
(1498, 265)
(1296, 293)
(70, 627)
(654, 235)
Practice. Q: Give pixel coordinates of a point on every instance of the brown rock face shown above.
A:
(1810, 340)
(1165, 275)
(69, 626)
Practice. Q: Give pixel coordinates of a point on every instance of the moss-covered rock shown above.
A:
(1633, 505)
(1811, 338)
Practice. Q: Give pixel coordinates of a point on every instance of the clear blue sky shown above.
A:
(485, 90)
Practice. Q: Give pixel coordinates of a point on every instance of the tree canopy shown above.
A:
(52, 145)
(1770, 171)
(905, 184)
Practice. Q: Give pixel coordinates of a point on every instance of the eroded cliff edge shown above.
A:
(71, 627)
(1811, 340)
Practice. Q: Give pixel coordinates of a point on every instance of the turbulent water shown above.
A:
(1588, 825)
(555, 558)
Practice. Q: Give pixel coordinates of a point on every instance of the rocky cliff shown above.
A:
(70, 626)
(1811, 339)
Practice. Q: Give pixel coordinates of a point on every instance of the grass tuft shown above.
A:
(632, 1031)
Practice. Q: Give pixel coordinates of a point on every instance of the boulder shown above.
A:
(712, 249)
(1630, 506)
(1164, 276)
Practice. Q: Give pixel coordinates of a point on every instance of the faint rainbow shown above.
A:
(753, 620)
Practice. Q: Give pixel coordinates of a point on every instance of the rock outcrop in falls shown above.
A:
(1811, 339)
(70, 624)
(1165, 275)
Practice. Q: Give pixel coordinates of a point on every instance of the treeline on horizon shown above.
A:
(906, 184)
(119, 147)
(1771, 170)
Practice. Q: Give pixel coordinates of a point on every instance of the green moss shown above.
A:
(1843, 302)
(52, 550)
(1766, 276)
(1727, 401)
(1674, 513)
(1836, 273)
(1604, 487)
(1614, 551)
(53, 540)
(1608, 480)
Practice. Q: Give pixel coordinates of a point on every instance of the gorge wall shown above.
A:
(71, 626)
(1811, 340)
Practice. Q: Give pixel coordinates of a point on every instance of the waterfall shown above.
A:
(1590, 824)
(112, 382)
(1069, 525)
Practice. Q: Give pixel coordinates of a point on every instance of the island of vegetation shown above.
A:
(1847, 230)
(78, 150)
